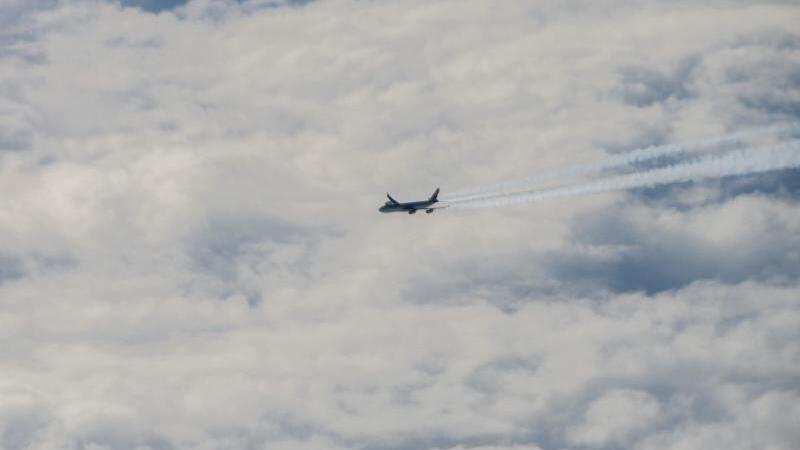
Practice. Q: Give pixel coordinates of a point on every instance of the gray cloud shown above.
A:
(21, 421)
(154, 6)
(10, 268)
(783, 184)
(211, 8)
(641, 255)
(643, 86)
(191, 256)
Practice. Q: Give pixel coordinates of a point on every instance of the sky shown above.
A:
(191, 255)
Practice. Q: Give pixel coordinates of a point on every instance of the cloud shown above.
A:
(10, 268)
(191, 257)
(615, 417)
(154, 6)
(158, 6)
(624, 253)
(643, 86)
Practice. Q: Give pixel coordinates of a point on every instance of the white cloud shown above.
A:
(191, 256)
(616, 416)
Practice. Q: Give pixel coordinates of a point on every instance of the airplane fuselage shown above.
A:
(408, 207)
(411, 207)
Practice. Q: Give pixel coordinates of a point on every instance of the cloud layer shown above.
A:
(191, 256)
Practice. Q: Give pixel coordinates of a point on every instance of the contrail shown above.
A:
(739, 162)
(625, 159)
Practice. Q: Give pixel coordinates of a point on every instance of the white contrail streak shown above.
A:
(624, 159)
(739, 162)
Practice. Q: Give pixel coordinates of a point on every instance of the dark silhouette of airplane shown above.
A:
(411, 207)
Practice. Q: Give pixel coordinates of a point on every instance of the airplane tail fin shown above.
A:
(391, 199)
(435, 197)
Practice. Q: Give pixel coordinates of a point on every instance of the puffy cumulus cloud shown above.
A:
(191, 257)
(709, 359)
(655, 249)
(615, 416)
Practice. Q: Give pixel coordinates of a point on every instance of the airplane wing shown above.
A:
(430, 209)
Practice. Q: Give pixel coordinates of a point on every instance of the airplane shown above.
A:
(412, 207)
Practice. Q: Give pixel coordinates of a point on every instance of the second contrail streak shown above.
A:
(739, 162)
(624, 159)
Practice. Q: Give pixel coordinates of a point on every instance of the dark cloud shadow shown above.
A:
(612, 253)
(113, 434)
(15, 140)
(780, 184)
(508, 284)
(645, 137)
(776, 39)
(16, 29)
(154, 6)
(11, 268)
(216, 246)
(222, 247)
(21, 426)
(488, 378)
(15, 267)
(767, 90)
(435, 440)
(643, 86)
(775, 104)
(157, 6)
